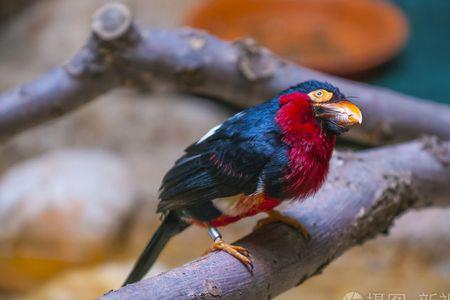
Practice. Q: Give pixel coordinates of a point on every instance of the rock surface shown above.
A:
(61, 209)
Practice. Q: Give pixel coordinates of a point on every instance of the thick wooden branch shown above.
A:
(363, 195)
(88, 74)
(242, 73)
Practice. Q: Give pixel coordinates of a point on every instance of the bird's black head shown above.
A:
(330, 107)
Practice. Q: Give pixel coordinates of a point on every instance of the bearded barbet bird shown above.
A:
(270, 153)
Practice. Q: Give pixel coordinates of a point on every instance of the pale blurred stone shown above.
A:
(61, 209)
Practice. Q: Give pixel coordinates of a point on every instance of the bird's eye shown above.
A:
(320, 95)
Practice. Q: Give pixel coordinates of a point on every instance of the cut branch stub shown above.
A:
(111, 21)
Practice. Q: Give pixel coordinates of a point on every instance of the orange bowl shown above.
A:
(336, 36)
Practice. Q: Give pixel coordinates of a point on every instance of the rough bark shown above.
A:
(363, 195)
(192, 61)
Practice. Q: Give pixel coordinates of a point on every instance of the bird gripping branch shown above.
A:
(270, 153)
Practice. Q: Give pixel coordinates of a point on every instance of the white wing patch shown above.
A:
(209, 133)
(227, 205)
(214, 129)
(238, 115)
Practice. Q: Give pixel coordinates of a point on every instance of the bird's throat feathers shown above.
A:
(310, 146)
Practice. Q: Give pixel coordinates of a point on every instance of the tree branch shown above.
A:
(242, 73)
(363, 195)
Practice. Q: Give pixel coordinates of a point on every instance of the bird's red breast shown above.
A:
(310, 147)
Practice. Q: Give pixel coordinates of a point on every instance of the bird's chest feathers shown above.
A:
(309, 148)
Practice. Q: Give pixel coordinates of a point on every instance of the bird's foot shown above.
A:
(238, 252)
(275, 216)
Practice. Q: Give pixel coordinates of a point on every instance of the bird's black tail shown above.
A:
(170, 226)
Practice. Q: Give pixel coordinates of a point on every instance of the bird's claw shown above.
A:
(238, 252)
(275, 216)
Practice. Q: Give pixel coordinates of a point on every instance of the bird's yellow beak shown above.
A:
(344, 112)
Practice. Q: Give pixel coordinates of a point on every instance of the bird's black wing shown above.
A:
(228, 161)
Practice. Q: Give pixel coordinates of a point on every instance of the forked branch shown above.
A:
(243, 73)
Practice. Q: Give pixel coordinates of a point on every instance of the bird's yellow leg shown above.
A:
(275, 216)
(238, 252)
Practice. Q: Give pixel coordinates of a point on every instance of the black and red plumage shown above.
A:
(258, 158)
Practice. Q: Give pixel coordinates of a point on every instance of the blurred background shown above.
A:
(78, 195)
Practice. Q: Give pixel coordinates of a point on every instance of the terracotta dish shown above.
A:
(337, 36)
